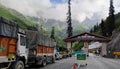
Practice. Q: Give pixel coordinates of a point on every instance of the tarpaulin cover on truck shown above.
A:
(35, 38)
(31, 37)
(45, 40)
(8, 28)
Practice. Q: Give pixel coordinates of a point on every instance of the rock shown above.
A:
(114, 44)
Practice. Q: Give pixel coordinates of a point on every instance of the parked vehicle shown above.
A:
(61, 52)
(58, 56)
(20, 47)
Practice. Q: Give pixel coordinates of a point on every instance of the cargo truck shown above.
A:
(23, 47)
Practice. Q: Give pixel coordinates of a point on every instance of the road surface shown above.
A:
(94, 62)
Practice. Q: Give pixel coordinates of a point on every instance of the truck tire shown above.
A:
(44, 63)
(53, 60)
(19, 65)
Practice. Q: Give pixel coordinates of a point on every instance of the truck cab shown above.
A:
(22, 50)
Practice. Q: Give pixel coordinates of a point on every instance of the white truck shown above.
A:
(19, 48)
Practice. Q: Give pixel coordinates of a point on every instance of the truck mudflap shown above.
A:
(5, 61)
(5, 65)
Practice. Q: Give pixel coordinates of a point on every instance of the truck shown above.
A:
(19, 48)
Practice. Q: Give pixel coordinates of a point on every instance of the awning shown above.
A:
(95, 45)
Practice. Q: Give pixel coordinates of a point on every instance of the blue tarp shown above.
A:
(8, 28)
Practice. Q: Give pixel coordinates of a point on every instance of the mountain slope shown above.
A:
(97, 28)
(16, 17)
(61, 26)
(90, 23)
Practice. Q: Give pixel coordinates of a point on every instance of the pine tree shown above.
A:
(95, 28)
(52, 33)
(111, 19)
(91, 31)
(103, 29)
(69, 29)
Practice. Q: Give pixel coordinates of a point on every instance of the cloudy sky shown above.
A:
(57, 9)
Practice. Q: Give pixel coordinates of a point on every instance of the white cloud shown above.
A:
(80, 8)
(81, 17)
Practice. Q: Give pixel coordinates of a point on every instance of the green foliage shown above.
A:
(52, 33)
(60, 42)
(103, 28)
(77, 45)
(80, 27)
(95, 29)
(15, 16)
(117, 26)
(117, 21)
(111, 23)
(91, 31)
(111, 19)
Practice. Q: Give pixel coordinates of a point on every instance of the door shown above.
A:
(22, 50)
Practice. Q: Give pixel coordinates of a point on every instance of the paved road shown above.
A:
(94, 62)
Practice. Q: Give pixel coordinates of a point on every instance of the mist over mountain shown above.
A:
(90, 23)
(61, 26)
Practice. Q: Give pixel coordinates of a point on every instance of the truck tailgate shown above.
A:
(7, 46)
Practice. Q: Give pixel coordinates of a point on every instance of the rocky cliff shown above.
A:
(114, 44)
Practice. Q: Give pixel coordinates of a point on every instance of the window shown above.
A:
(22, 40)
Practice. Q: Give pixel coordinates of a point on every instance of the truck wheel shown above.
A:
(44, 63)
(53, 60)
(19, 65)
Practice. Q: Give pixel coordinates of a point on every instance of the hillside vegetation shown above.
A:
(15, 16)
(97, 28)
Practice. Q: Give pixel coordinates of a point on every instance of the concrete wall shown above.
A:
(86, 48)
(104, 52)
(69, 47)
